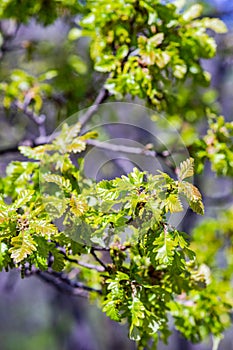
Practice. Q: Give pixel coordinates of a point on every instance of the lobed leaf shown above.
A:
(173, 203)
(43, 228)
(190, 191)
(24, 197)
(186, 169)
(197, 206)
(22, 246)
(58, 180)
(36, 153)
(78, 205)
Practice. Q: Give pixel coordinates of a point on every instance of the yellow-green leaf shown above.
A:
(24, 197)
(36, 153)
(197, 206)
(193, 12)
(44, 228)
(215, 24)
(190, 191)
(186, 169)
(58, 180)
(173, 204)
(76, 146)
(78, 206)
(22, 246)
(156, 39)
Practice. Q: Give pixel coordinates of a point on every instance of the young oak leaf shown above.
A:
(76, 146)
(44, 228)
(58, 180)
(197, 206)
(189, 190)
(24, 197)
(67, 135)
(22, 246)
(173, 204)
(110, 308)
(36, 153)
(186, 169)
(77, 205)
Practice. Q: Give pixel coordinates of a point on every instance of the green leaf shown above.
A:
(22, 246)
(162, 58)
(74, 34)
(77, 64)
(24, 197)
(58, 180)
(21, 172)
(134, 333)
(190, 191)
(137, 311)
(164, 247)
(156, 39)
(76, 146)
(67, 135)
(186, 169)
(193, 12)
(43, 228)
(106, 64)
(78, 205)
(173, 204)
(55, 206)
(197, 206)
(36, 153)
(122, 52)
(59, 260)
(48, 75)
(216, 341)
(3, 250)
(153, 326)
(111, 310)
(215, 24)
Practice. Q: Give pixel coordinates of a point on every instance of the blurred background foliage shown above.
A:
(43, 59)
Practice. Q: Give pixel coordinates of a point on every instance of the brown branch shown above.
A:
(62, 282)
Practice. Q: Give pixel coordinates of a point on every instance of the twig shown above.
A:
(102, 96)
(98, 259)
(59, 285)
(83, 264)
(10, 149)
(39, 120)
(107, 249)
(74, 284)
(127, 149)
(101, 249)
(62, 282)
